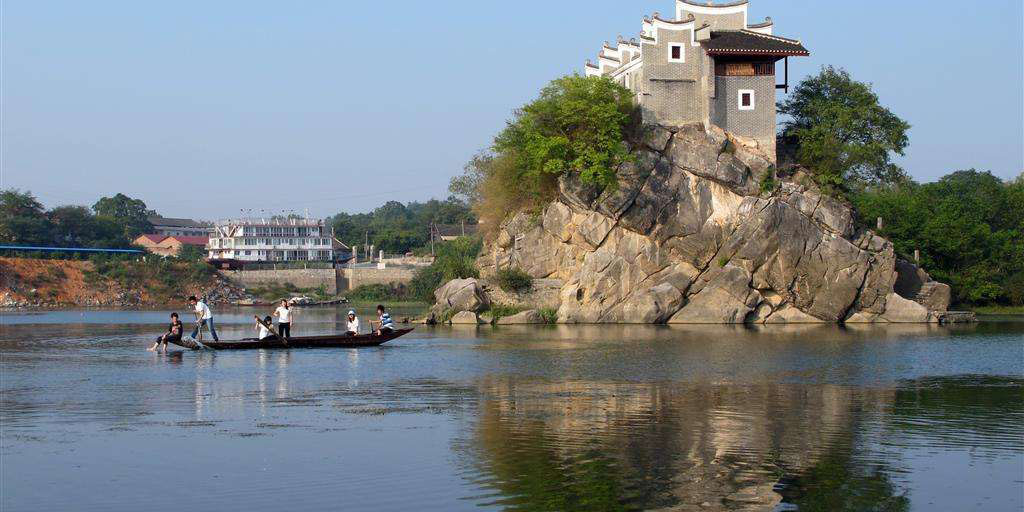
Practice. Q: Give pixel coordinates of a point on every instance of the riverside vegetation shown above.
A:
(616, 222)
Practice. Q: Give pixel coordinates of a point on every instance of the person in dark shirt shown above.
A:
(173, 333)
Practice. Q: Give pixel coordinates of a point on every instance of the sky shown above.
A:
(219, 109)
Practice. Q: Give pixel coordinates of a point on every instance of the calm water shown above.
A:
(557, 418)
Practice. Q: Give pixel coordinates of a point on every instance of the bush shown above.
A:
(550, 315)
(768, 182)
(514, 280)
(453, 260)
(502, 310)
(378, 293)
(577, 125)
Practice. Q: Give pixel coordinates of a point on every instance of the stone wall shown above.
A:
(351, 278)
(300, 278)
(757, 124)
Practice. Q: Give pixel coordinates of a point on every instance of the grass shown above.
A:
(997, 310)
(514, 280)
(550, 315)
(502, 310)
(288, 290)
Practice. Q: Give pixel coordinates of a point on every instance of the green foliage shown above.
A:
(502, 310)
(841, 131)
(550, 315)
(192, 253)
(514, 280)
(969, 227)
(455, 260)
(379, 293)
(24, 221)
(131, 214)
(577, 125)
(400, 228)
(723, 261)
(768, 182)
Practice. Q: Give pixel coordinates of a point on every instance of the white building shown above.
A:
(252, 240)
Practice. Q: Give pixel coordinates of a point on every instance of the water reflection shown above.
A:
(520, 418)
(614, 446)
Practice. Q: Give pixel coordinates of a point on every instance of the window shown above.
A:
(745, 99)
(676, 53)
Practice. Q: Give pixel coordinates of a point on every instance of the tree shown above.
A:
(131, 214)
(23, 220)
(968, 226)
(578, 124)
(841, 132)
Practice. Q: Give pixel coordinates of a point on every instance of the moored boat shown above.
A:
(326, 341)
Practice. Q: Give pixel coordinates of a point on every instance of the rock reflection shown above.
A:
(620, 446)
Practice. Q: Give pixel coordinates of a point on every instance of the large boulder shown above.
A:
(465, 318)
(530, 316)
(461, 295)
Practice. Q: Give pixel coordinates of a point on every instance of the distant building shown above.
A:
(271, 240)
(707, 65)
(178, 227)
(169, 245)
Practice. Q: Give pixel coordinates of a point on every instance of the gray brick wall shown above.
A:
(669, 90)
(758, 123)
(721, 21)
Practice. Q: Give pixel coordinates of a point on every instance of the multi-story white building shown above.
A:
(278, 239)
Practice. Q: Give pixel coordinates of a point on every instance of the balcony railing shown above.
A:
(745, 69)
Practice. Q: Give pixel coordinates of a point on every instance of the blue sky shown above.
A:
(203, 109)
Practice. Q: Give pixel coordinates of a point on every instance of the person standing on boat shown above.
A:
(284, 319)
(386, 324)
(204, 317)
(173, 333)
(353, 323)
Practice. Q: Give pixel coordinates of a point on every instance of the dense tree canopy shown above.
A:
(841, 132)
(577, 125)
(131, 214)
(398, 228)
(969, 227)
(24, 221)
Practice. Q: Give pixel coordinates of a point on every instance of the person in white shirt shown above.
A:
(203, 317)
(353, 323)
(284, 319)
(262, 327)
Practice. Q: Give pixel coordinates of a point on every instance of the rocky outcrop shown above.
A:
(702, 229)
(459, 295)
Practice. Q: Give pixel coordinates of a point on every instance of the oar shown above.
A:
(270, 327)
(199, 325)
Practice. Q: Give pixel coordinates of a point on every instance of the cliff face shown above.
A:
(689, 236)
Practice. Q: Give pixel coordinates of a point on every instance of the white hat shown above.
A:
(352, 312)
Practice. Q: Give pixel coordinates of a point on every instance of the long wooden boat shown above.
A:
(327, 341)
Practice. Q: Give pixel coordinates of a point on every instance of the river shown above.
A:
(809, 418)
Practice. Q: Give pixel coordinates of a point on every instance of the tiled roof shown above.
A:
(191, 240)
(745, 42)
(153, 238)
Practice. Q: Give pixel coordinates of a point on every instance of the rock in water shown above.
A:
(688, 236)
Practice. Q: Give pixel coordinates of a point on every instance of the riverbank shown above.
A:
(153, 281)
